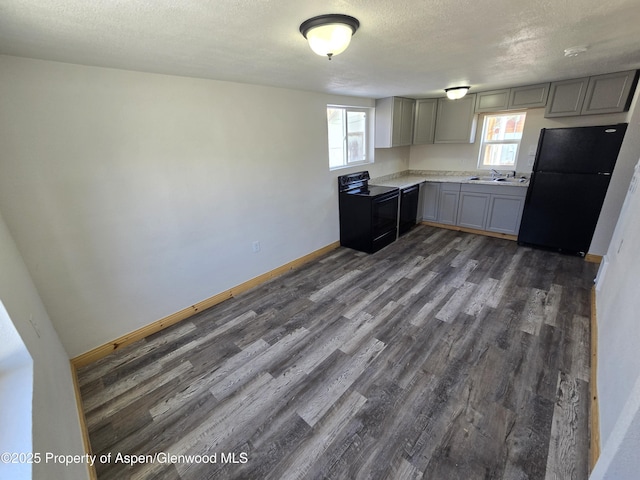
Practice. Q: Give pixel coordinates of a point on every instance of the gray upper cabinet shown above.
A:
(609, 93)
(406, 121)
(530, 96)
(394, 122)
(492, 101)
(424, 126)
(566, 97)
(456, 120)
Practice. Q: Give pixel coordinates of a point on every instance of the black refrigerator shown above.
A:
(568, 184)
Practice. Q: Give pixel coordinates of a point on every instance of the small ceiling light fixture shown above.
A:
(455, 93)
(329, 34)
(574, 51)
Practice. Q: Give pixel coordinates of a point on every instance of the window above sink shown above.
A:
(501, 136)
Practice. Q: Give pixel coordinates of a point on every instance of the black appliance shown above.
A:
(570, 178)
(408, 208)
(368, 213)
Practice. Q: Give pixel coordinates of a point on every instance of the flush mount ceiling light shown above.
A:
(454, 93)
(329, 34)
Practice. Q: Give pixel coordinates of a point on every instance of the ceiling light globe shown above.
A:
(329, 40)
(329, 35)
(456, 93)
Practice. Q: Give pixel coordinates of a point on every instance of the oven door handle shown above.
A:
(387, 196)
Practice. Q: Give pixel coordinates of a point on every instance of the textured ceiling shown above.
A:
(412, 47)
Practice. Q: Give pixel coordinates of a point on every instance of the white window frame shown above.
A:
(367, 141)
(509, 141)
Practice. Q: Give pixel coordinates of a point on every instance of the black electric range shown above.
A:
(368, 213)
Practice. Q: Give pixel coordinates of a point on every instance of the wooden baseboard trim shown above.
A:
(83, 423)
(486, 233)
(590, 257)
(104, 350)
(594, 412)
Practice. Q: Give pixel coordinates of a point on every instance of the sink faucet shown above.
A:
(495, 174)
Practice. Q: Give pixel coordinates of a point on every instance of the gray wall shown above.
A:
(132, 196)
(55, 426)
(618, 304)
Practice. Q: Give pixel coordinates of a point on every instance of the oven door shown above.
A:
(384, 219)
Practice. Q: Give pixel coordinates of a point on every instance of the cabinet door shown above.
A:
(384, 122)
(609, 93)
(505, 212)
(472, 210)
(492, 101)
(425, 120)
(448, 203)
(430, 197)
(405, 136)
(455, 120)
(396, 122)
(566, 98)
(530, 96)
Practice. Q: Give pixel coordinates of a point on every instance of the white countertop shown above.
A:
(406, 181)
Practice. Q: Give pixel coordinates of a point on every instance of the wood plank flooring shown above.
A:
(444, 356)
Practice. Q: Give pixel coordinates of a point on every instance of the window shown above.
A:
(349, 134)
(501, 135)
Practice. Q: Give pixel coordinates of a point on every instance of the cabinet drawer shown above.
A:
(450, 187)
(494, 189)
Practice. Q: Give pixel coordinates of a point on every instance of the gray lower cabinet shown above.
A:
(430, 198)
(505, 212)
(448, 203)
(493, 208)
(472, 209)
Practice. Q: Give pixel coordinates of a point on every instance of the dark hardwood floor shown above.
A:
(444, 356)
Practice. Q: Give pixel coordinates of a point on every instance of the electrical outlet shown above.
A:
(255, 246)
